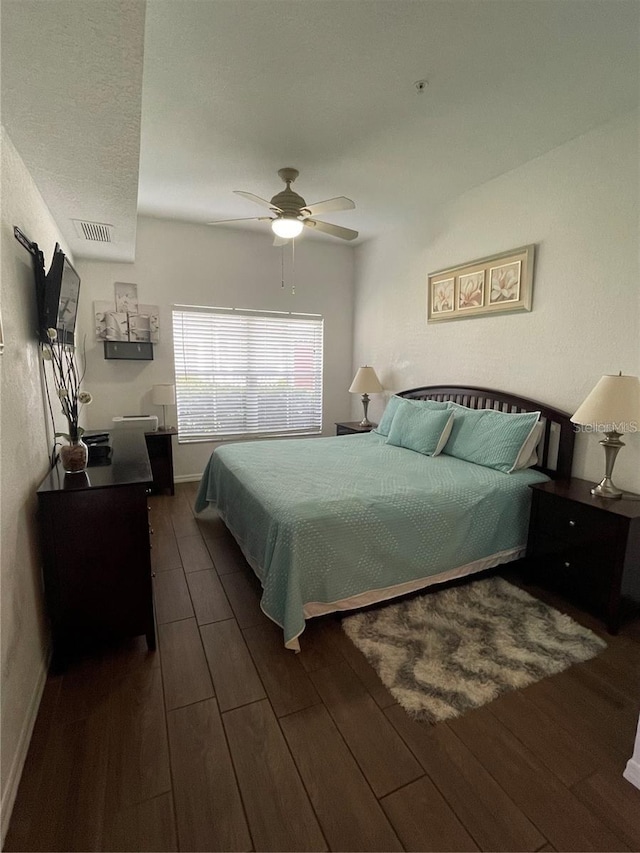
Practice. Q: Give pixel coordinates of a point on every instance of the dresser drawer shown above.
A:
(566, 522)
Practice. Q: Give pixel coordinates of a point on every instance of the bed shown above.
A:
(338, 523)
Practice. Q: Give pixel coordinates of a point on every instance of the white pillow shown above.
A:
(528, 455)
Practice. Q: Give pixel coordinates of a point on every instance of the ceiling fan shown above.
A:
(291, 212)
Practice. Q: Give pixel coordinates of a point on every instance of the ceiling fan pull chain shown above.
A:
(293, 267)
(282, 267)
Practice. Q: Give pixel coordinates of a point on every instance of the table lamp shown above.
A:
(365, 382)
(612, 408)
(163, 395)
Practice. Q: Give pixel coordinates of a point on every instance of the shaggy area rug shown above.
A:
(444, 653)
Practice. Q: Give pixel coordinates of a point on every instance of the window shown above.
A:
(246, 373)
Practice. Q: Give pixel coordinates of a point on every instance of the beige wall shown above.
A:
(579, 205)
(23, 464)
(199, 265)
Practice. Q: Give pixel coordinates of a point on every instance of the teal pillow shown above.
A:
(420, 428)
(489, 438)
(387, 418)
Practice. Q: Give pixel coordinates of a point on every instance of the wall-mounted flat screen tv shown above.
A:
(57, 295)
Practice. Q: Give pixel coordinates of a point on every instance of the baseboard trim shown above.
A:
(19, 758)
(187, 478)
(632, 772)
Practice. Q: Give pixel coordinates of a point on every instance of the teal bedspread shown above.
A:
(322, 520)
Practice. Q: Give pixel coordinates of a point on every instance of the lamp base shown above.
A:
(365, 422)
(606, 489)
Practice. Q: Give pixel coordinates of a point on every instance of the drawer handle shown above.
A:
(148, 508)
(567, 564)
(153, 574)
(151, 530)
(572, 524)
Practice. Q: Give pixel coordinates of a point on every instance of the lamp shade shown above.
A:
(615, 401)
(163, 395)
(366, 382)
(286, 226)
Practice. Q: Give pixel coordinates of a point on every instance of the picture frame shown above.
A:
(141, 325)
(497, 284)
(126, 295)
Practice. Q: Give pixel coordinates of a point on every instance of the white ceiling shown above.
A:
(232, 90)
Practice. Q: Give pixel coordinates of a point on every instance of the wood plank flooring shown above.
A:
(223, 740)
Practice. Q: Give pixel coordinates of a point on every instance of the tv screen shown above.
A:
(57, 296)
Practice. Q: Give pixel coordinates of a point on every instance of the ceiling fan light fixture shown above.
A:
(286, 227)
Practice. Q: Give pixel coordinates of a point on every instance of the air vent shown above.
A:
(97, 232)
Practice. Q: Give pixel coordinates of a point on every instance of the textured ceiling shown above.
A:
(71, 102)
(235, 89)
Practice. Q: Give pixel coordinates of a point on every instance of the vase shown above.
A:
(74, 456)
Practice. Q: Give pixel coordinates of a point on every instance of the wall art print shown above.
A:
(494, 285)
(125, 319)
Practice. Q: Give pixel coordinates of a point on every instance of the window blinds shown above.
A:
(245, 373)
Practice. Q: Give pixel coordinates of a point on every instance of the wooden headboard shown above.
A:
(555, 452)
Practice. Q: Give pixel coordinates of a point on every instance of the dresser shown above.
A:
(95, 551)
(584, 547)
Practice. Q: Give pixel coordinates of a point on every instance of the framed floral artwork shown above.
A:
(504, 283)
(497, 284)
(471, 291)
(442, 296)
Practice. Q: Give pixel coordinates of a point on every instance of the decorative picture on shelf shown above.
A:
(110, 325)
(153, 313)
(504, 283)
(126, 297)
(140, 325)
(442, 295)
(498, 284)
(471, 291)
(139, 329)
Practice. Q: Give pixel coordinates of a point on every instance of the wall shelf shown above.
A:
(128, 350)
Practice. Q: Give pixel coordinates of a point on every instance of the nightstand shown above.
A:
(160, 452)
(352, 427)
(585, 548)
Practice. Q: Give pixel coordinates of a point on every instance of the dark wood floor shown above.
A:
(225, 741)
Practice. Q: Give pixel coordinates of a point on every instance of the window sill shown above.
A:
(249, 437)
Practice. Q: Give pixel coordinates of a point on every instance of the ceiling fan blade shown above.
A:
(242, 219)
(339, 203)
(258, 200)
(334, 230)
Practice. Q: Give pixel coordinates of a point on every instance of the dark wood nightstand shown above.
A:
(351, 427)
(160, 452)
(585, 548)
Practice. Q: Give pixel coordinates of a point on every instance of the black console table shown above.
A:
(95, 550)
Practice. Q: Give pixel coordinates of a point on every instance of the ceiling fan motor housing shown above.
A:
(290, 203)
